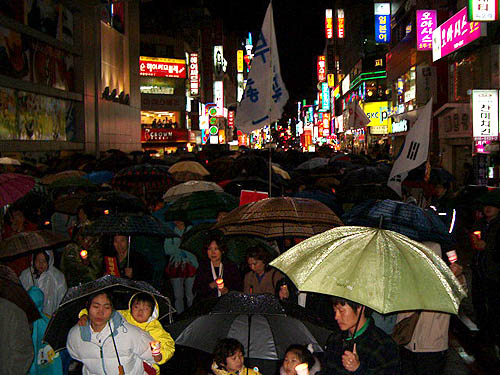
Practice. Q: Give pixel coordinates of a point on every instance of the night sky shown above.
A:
(300, 34)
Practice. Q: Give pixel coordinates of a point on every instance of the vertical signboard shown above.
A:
(382, 22)
(219, 97)
(340, 23)
(455, 33)
(328, 24)
(321, 68)
(426, 23)
(483, 10)
(239, 61)
(485, 115)
(325, 96)
(194, 76)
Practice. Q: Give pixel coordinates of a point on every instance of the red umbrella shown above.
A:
(14, 186)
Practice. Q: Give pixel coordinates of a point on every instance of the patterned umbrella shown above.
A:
(129, 225)
(25, 242)
(143, 177)
(76, 298)
(188, 188)
(279, 217)
(14, 186)
(200, 205)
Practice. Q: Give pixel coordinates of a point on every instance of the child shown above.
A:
(142, 314)
(228, 359)
(295, 355)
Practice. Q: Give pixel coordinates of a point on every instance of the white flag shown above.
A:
(357, 117)
(415, 149)
(265, 93)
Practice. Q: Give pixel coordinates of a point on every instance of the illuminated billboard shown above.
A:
(239, 61)
(340, 23)
(162, 67)
(455, 33)
(485, 115)
(382, 22)
(321, 69)
(194, 76)
(328, 24)
(483, 10)
(378, 113)
(426, 23)
(325, 96)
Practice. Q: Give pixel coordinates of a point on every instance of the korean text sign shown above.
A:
(382, 22)
(161, 67)
(426, 23)
(455, 33)
(485, 114)
(483, 10)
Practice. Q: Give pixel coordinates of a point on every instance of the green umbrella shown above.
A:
(237, 246)
(200, 205)
(381, 269)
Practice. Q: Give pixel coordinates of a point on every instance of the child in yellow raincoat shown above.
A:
(143, 312)
(229, 360)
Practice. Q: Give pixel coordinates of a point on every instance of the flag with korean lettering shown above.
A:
(415, 149)
(265, 93)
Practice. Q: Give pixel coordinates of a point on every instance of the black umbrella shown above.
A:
(262, 323)
(76, 298)
(116, 202)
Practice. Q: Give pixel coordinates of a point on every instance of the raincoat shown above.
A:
(243, 371)
(51, 282)
(74, 268)
(97, 352)
(45, 361)
(154, 328)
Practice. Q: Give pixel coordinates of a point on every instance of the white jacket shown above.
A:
(51, 282)
(97, 352)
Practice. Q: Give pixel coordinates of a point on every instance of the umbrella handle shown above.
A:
(128, 253)
(121, 370)
(248, 339)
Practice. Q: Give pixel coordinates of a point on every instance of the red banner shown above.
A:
(249, 196)
(111, 266)
(164, 135)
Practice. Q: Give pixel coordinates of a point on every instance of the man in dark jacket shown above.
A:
(360, 347)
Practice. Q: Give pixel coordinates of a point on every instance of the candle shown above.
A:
(477, 233)
(302, 369)
(452, 256)
(84, 254)
(155, 347)
(220, 283)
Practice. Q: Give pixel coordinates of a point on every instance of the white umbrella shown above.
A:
(189, 187)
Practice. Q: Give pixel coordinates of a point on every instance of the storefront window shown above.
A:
(463, 77)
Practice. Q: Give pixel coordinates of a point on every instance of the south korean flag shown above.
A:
(415, 149)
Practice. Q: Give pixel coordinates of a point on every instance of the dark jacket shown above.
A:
(378, 353)
(141, 269)
(487, 261)
(231, 276)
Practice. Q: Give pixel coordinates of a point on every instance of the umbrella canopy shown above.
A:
(201, 205)
(408, 219)
(76, 298)
(313, 163)
(360, 193)
(71, 182)
(254, 183)
(187, 176)
(381, 269)
(146, 177)
(328, 199)
(30, 241)
(189, 166)
(237, 246)
(129, 225)
(264, 325)
(366, 175)
(68, 204)
(189, 187)
(51, 178)
(281, 172)
(279, 217)
(117, 202)
(99, 177)
(14, 186)
(9, 161)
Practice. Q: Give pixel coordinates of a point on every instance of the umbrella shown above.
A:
(189, 187)
(237, 246)
(74, 182)
(146, 177)
(68, 204)
(12, 290)
(408, 219)
(116, 201)
(281, 172)
(76, 298)
(279, 217)
(313, 163)
(254, 183)
(264, 325)
(328, 199)
(129, 225)
(200, 205)
(51, 178)
(366, 175)
(187, 176)
(14, 186)
(99, 177)
(9, 161)
(189, 166)
(381, 269)
(30, 241)
(360, 193)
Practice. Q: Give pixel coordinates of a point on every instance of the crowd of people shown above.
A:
(133, 341)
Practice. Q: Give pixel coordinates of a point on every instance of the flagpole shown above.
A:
(271, 21)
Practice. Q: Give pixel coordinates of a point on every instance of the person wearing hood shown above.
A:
(45, 361)
(48, 278)
(229, 359)
(143, 312)
(295, 355)
(107, 343)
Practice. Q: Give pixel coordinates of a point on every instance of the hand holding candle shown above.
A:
(220, 283)
(302, 369)
(155, 347)
(84, 254)
(452, 256)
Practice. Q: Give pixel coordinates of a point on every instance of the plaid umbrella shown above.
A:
(407, 219)
(200, 205)
(76, 298)
(189, 187)
(144, 177)
(129, 225)
(279, 217)
(14, 186)
(30, 241)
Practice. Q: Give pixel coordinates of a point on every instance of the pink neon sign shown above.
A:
(454, 34)
(426, 23)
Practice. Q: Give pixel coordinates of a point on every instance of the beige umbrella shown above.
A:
(9, 161)
(281, 172)
(189, 187)
(189, 166)
(51, 178)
